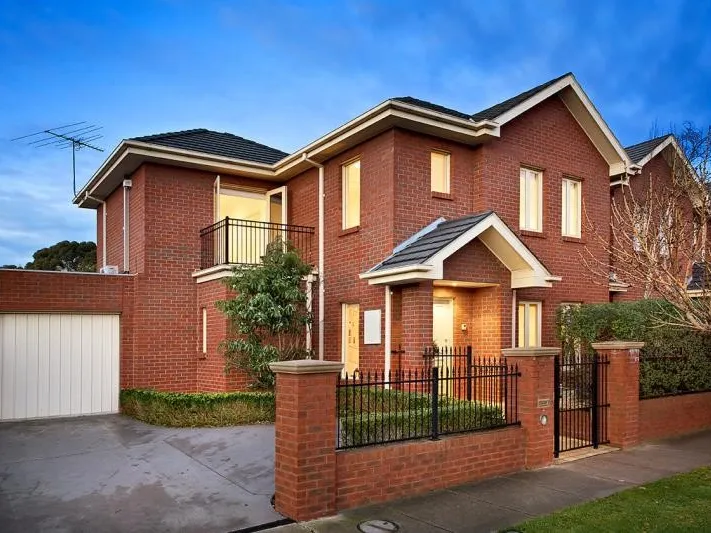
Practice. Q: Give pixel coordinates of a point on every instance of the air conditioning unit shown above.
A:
(109, 269)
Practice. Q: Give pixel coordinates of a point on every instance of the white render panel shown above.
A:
(58, 364)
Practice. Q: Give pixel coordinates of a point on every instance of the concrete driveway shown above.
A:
(114, 474)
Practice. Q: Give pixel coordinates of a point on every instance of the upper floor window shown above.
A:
(529, 324)
(530, 200)
(439, 165)
(351, 194)
(570, 226)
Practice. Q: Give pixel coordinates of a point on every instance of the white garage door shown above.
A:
(58, 364)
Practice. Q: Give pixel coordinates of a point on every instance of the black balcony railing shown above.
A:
(233, 241)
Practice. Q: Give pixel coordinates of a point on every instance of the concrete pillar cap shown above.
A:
(533, 351)
(306, 366)
(617, 345)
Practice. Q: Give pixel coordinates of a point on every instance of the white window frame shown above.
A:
(447, 171)
(344, 193)
(525, 210)
(527, 305)
(565, 223)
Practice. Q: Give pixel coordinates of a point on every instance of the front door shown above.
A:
(351, 336)
(442, 337)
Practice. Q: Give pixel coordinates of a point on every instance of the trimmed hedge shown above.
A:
(200, 409)
(674, 360)
(409, 415)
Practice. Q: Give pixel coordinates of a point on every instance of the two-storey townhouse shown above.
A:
(423, 224)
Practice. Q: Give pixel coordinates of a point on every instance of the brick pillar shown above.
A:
(535, 400)
(416, 323)
(305, 438)
(622, 390)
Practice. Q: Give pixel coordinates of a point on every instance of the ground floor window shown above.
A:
(350, 337)
(529, 324)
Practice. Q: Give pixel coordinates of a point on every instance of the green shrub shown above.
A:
(201, 409)
(674, 359)
(360, 427)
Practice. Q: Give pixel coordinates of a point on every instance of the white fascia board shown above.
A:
(570, 81)
(524, 279)
(397, 276)
(388, 109)
(395, 271)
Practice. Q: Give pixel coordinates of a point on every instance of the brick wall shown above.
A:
(382, 473)
(674, 415)
(68, 292)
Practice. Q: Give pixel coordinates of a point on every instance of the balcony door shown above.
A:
(247, 233)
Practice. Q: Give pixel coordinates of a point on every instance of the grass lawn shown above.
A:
(679, 503)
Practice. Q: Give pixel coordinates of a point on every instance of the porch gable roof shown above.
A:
(422, 256)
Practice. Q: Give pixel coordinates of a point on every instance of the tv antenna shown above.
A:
(75, 136)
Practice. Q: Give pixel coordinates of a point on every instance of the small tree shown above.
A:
(657, 238)
(268, 315)
(70, 256)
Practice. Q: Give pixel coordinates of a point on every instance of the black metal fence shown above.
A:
(673, 373)
(374, 408)
(233, 241)
(580, 405)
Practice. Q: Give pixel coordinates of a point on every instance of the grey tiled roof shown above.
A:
(421, 249)
(216, 143)
(639, 151)
(494, 111)
(489, 113)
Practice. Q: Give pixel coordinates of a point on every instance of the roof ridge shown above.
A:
(178, 133)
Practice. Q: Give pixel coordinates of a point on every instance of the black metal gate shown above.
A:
(580, 404)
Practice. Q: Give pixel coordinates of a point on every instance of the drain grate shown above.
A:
(378, 526)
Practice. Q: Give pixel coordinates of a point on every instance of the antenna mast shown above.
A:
(75, 136)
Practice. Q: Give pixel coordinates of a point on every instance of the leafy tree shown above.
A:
(11, 266)
(268, 315)
(71, 256)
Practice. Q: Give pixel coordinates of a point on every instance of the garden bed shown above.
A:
(200, 409)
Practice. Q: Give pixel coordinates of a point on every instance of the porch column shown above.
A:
(416, 323)
(622, 390)
(535, 400)
(305, 438)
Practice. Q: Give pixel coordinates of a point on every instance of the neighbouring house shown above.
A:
(423, 224)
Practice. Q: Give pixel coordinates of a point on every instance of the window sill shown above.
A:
(442, 195)
(567, 238)
(531, 233)
(348, 231)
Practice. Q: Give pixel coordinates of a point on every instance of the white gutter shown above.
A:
(321, 283)
(127, 184)
(103, 226)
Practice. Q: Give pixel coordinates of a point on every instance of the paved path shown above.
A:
(114, 474)
(505, 501)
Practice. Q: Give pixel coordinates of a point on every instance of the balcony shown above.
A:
(233, 241)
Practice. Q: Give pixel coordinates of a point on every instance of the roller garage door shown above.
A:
(58, 364)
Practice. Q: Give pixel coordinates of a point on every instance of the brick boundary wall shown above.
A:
(376, 474)
(674, 415)
(313, 479)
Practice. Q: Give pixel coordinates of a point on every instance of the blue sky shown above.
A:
(283, 73)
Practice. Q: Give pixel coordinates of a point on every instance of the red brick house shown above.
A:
(424, 224)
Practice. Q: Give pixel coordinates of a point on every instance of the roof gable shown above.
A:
(422, 256)
(638, 152)
(215, 143)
